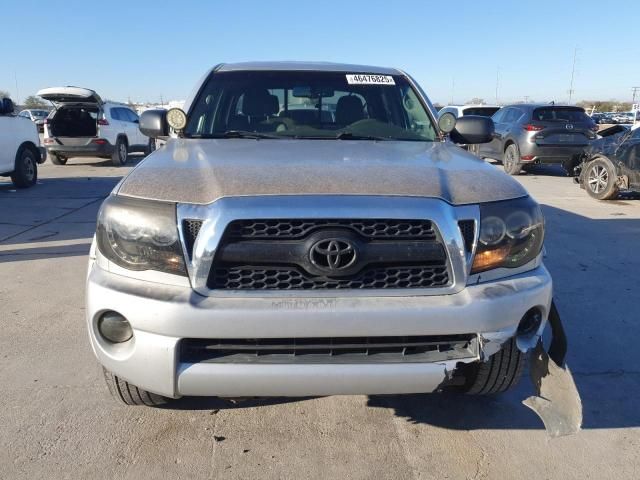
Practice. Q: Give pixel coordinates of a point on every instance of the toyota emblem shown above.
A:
(333, 254)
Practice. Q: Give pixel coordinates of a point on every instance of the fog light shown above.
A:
(530, 323)
(114, 327)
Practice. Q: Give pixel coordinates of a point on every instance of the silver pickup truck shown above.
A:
(313, 230)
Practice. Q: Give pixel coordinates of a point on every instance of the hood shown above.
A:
(202, 171)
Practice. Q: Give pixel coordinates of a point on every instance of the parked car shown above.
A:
(532, 133)
(20, 151)
(262, 253)
(37, 116)
(83, 125)
(462, 110)
(611, 164)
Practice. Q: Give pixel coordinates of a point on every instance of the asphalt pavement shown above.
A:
(57, 419)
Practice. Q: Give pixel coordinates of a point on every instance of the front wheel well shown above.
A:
(31, 146)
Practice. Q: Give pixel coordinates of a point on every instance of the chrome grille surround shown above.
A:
(218, 215)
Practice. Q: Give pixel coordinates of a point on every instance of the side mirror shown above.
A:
(6, 106)
(472, 129)
(153, 123)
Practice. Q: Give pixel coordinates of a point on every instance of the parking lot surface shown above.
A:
(58, 421)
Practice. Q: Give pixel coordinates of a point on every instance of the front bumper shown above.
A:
(162, 315)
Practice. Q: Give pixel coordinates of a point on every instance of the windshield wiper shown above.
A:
(235, 134)
(355, 136)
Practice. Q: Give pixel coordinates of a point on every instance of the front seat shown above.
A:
(349, 109)
(259, 105)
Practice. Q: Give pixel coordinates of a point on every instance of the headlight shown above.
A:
(511, 234)
(140, 235)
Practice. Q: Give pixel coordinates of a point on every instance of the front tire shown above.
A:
(601, 180)
(151, 146)
(57, 159)
(498, 374)
(129, 394)
(26, 173)
(120, 152)
(511, 162)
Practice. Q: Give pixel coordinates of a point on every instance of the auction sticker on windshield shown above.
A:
(360, 79)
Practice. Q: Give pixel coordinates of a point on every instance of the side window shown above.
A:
(511, 115)
(499, 115)
(131, 115)
(115, 114)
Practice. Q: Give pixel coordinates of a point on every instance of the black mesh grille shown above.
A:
(467, 228)
(285, 229)
(430, 348)
(284, 278)
(191, 228)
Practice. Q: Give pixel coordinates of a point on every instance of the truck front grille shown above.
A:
(278, 254)
(432, 348)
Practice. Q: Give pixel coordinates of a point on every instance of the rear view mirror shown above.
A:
(6, 106)
(312, 92)
(153, 123)
(472, 129)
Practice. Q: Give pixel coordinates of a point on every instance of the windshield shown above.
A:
(39, 113)
(317, 105)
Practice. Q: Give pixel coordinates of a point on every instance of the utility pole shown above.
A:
(573, 71)
(497, 82)
(634, 90)
(526, 99)
(453, 88)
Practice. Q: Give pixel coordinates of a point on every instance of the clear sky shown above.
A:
(144, 49)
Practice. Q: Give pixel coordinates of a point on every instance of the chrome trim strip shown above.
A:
(217, 215)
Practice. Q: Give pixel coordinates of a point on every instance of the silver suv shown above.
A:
(526, 134)
(312, 231)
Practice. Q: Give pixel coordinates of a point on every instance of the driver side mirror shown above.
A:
(468, 130)
(153, 123)
(6, 106)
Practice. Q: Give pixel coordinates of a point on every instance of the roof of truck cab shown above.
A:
(307, 66)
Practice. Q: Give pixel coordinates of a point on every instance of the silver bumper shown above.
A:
(162, 315)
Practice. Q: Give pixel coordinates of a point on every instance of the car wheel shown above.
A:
(601, 180)
(26, 172)
(498, 374)
(129, 394)
(119, 156)
(151, 146)
(475, 149)
(57, 159)
(511, 162)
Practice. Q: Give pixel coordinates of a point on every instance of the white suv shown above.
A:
(83, 125)
(20, 150)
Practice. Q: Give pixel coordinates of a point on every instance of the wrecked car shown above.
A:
(270, 249)
(611, 164)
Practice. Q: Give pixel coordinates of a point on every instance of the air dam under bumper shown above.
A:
(162, 315)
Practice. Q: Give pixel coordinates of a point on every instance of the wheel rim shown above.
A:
(123, 153)
(29, 168)
(509, 159)
(598, 178)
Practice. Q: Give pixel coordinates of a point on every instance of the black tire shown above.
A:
(26, 173)
(511, 161)
(151, 146)
(601, 179)
(475, 150)
(129, 394)
(120, 152)
(500, 373)
(57, 159)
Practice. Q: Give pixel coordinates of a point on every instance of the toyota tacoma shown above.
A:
(312, 229)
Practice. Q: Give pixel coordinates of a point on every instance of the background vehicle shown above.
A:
(37, 116)
(82, 125)
(461, 110)
(20, 150)
(533, 133)
(612, 164)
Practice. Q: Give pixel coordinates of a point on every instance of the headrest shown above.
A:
(349, 109)
(260, 103)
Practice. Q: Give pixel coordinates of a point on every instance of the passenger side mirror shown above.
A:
(153, 123)
(6, 106)
(472, 129)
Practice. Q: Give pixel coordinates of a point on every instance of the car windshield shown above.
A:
(39, 113)
(314, 105)
(560, 114)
